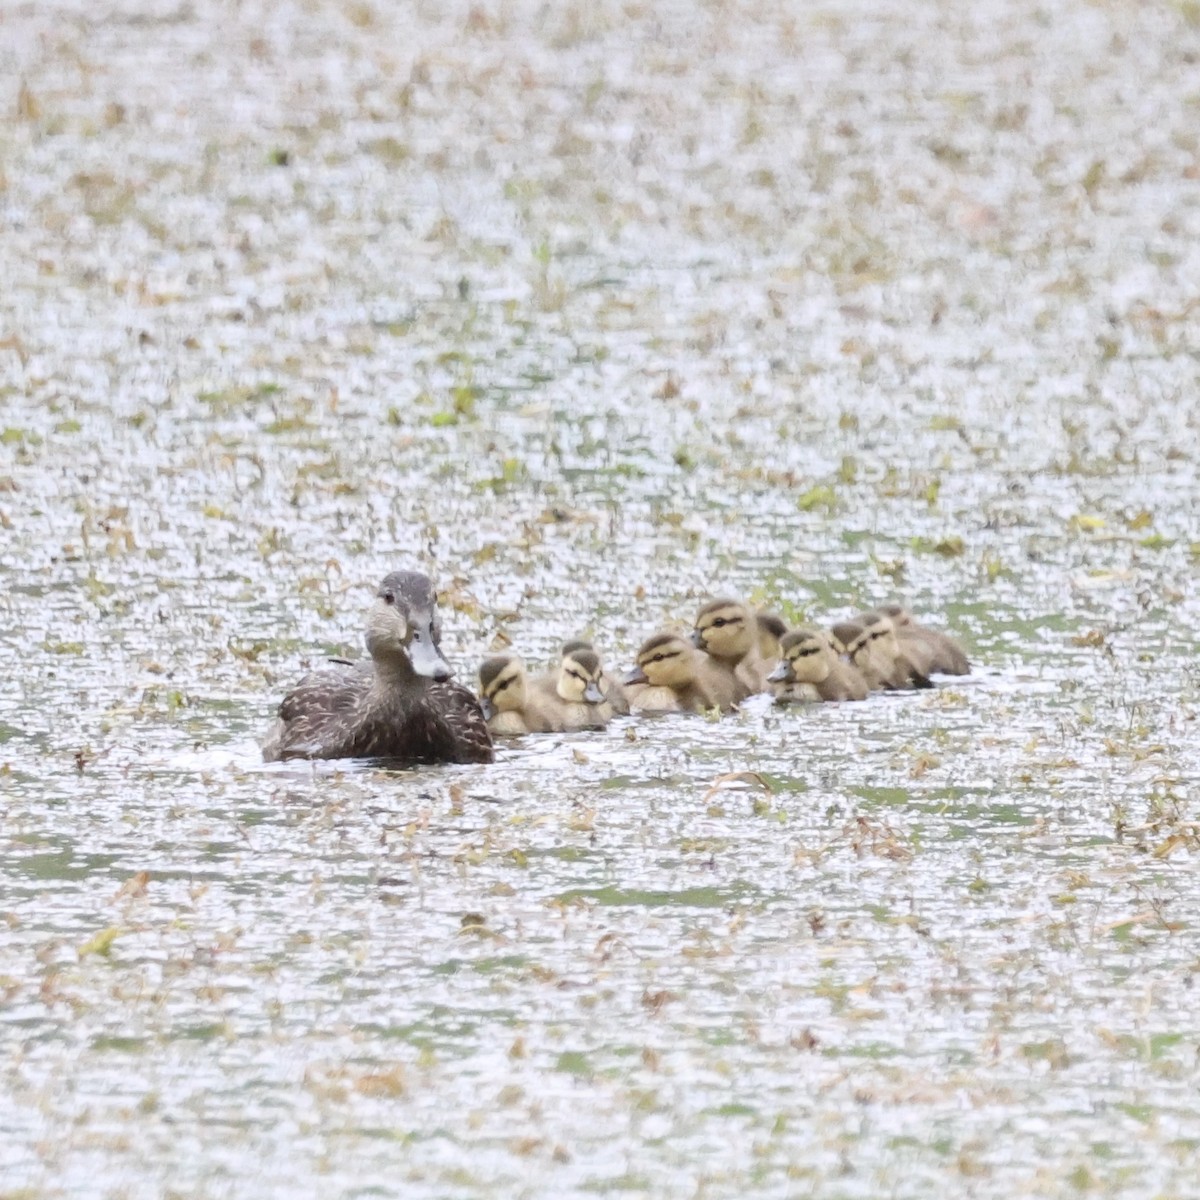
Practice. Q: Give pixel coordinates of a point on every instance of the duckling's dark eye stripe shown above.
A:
(499, 687)
(662, 656)
(576, 675)
(804, 653)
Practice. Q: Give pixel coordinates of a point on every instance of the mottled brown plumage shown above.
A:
(399, 705)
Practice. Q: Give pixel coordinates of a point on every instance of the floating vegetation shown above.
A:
(590, 311)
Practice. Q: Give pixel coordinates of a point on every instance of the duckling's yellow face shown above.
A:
(882, 634)
(502, 685)
(806, 654)
(668, 661)
(726, 629)
(859, 648)
(579, 678)
(843, 636)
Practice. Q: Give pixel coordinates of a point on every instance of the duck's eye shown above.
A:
(389, 598)
(720, 623)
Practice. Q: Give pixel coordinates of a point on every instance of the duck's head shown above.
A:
(844, 635)
(665, 660)
(882, 634)
(726, 629)
(579, 677)
(860, 650)
(501, 685)
(404, 628)
(804, 658)
(771, 629)
(900, 616)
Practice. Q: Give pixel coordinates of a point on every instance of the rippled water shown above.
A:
(592, 311)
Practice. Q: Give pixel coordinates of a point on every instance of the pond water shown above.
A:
(592, 311)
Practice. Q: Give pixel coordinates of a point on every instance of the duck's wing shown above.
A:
(335, 690)
(460, 722)
(316, 714)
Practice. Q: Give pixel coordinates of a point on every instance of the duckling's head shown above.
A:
(805, 655)
(579, 678)
(665, 660)
(501, 685)
(843, 635)
(861, 650)
(404, 629)
(726, 629)
(899, 615)
(882, 634)
(771, 629)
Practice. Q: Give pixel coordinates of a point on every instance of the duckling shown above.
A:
(948, 657)
(673, 676)
(812, 670)
(843, 635)
(612, 690)
(728, 631)
(503, 694)
(878, 655)
(916, 650)
(400, 704)
(568, 697)
(771, 629)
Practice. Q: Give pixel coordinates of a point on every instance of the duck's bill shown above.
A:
(592, 693)
(637, 675)
(427, 659)
(780, 674)
(487, 708)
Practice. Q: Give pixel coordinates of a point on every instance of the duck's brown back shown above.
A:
(348, 713)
